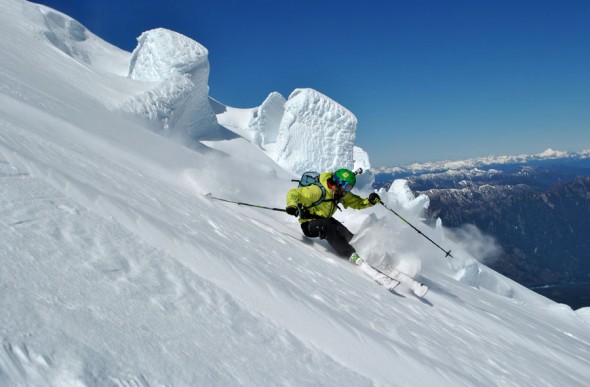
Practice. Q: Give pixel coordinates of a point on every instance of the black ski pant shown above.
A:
(331, 230)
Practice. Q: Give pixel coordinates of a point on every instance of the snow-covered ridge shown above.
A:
(463, 173)
(75, 40)
(479, 162)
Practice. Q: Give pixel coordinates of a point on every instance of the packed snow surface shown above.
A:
(115, 269)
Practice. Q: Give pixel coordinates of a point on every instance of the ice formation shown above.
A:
(361, 160)
(316, 133)
(179, 67)
(266, 120)
(309, 131)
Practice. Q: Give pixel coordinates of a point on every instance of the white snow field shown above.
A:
(115, 269)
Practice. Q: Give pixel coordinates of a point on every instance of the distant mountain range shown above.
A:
(479, 162)
(537, 207)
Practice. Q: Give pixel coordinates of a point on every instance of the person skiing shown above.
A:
(315, 207)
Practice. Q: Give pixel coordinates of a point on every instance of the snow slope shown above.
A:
(116, 270)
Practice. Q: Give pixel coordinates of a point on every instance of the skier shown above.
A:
(315, 207)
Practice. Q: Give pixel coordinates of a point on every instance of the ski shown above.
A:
(417, 287)
(378, 276)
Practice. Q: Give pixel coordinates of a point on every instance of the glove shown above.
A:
(374, 198)
(291, 210)
(304, 213)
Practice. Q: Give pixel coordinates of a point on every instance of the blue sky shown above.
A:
(428, 80)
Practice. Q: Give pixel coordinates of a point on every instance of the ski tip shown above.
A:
(421, 291)
(208, 195)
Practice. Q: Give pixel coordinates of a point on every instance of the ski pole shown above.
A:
(210, 196)
(447, 253)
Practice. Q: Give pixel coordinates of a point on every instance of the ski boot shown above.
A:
(356, 259)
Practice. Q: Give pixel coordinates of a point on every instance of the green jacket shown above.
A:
(306, 196)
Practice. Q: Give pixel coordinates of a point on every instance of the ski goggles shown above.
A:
(343, 185)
